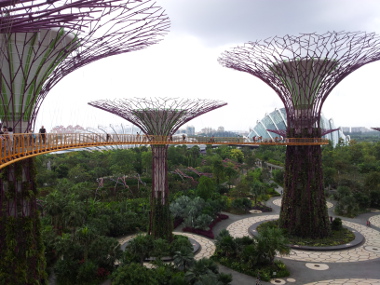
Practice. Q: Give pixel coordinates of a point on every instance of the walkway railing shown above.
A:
(19, 146)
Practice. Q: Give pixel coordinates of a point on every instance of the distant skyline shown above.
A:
(185, 64)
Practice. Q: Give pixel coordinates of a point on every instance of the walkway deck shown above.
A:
(20, 146)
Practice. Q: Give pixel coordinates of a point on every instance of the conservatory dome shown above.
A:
(277, 121)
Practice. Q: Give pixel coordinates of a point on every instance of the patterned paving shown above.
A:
(207, 246)
(277, 202)
(368, 251)
(375, 220)
(347, 282)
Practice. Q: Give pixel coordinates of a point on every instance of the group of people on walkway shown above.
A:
(8, 140)
(260, 139)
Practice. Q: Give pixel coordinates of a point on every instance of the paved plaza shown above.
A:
(357, 265)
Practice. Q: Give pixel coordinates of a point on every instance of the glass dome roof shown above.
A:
(277, 121)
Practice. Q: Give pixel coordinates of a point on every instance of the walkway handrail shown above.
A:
(15, 147)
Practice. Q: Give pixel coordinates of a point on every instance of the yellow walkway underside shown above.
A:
(19, 146)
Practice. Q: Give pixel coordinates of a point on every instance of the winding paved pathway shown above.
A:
(307, 266)
(367, 251)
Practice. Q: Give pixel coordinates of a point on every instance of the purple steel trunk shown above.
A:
(158, 117)
(42, 42)
(303, 70)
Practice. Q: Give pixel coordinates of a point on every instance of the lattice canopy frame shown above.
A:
(43, 41)
(304, 69)
(159, 117)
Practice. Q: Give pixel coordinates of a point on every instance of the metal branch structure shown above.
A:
(40, 43)
(158, 117)
(303, 70)
(33, 58)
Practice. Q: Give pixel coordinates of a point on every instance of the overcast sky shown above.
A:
(185, 64)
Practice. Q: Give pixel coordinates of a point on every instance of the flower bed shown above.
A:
(208, 233)
(262, 208)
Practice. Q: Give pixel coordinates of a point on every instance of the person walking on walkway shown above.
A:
(43, 135)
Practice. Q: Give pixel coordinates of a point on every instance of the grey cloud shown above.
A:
(219, 22)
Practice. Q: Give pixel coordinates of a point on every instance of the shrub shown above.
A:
(202, 222)
(66, 271)
(241, 204)
(161, 248)
(336, 224)
(87, 272)
(181, 244)
(140, 247)
(133, 274)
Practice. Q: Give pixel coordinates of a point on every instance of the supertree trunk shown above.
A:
(161, 118)
(161, 222)
(21, 248)
(304, 212)
(40, 43)
(303, 70)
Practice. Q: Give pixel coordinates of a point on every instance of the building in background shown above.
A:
(190, 130)
(277, 121)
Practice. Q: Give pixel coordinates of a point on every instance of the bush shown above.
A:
(241, 205)
(87, 272)
(262, 208)
(133, 274)
(202, 222)
(181, 244)
(336, 224)
(66, 271)
(375, 199)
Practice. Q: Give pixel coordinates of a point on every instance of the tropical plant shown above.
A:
(256, 189)
(269, 242)
(140, 247)
(183, 260)
(133, 273)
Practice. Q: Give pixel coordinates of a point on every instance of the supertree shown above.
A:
(158, 117)
(40, 43)
(303, 70)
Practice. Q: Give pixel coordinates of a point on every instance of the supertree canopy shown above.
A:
(40, 43)
(158, 117)
(43, 41)
(303, 70)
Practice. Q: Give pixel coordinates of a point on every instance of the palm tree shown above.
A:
(256, 189)
(202, 268)
(183, 260)
(270, 241)
(54, 208)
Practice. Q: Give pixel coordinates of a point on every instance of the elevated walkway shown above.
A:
(20, 146)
